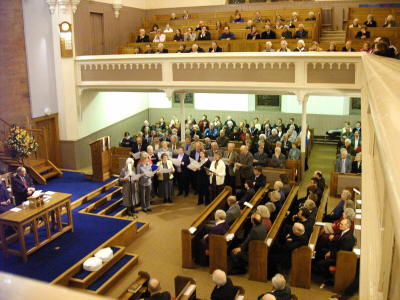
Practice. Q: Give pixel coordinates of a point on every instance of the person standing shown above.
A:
(217, 175)
(128, 179)
(203, 180)
(182, 172)
(144, 169)
(165, 178)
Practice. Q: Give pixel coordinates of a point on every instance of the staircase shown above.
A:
(336, 36)
(40, 168)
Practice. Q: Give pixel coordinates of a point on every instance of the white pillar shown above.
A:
(182, 115)
(303, 99)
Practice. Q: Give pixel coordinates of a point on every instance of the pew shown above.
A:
(295, 166)
(137, 288)
(240, 293)
(185, 288)
(258, 250)
(340, 181)
(346, 267)
(189, 235)
(300, 275)
(218, 244)
(272, 174)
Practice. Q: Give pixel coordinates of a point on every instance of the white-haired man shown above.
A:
(224, 288)
(280, 290)
(22, 186)
(344, 163)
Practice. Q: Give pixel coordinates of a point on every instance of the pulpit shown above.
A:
(100, 150)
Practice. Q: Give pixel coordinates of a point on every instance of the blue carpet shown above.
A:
(73, 183)
(110, 272)
(90, 231)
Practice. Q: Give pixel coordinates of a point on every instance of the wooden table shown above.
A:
(29, 220)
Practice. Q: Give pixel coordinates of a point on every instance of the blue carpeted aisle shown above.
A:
(73, 183)
(89, 233)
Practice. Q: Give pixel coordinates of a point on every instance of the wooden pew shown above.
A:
(240, 293)
(295, 166)
(300, 274)
(185, 288)
(272, 174)
(346, 267)
(218, 244)
(137, 288)
(259, 250)
(340, 181)
(188, 235)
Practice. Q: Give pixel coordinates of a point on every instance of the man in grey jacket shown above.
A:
(244, 166)
(233, 211)
(344, 163)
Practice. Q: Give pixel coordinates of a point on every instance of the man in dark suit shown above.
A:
(268, 34)
(154, 288)
(214, 47)
(344, 163)
(301, 33)
(204, 35)
(280, 256)
(286, 145)
(182, 172)
(22, 186)
(139, 145)
(224, 288)
(232, 156)
(161, 49)
(239, 258)
(259, 178)
(247, 194)
(281, 291)
(142, 37)
(345, 242)
(357, 164)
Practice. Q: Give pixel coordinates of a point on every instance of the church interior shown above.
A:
(170, 150)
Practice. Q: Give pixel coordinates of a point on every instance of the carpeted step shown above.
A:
(98, 197)
(114, 273)
(114, 199)
(116, 210)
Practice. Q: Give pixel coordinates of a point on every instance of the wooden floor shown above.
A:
(160, 248)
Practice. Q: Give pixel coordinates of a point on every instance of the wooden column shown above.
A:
(303, 99)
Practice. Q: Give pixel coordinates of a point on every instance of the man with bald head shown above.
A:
(224, 289)
(244, 166)
(268, 297)
(281, 253)
(154, 289)
(239, 259)
(22, 186)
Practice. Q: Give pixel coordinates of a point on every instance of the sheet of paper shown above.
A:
(357, 251)
(176, 162)
(163, 170)
(15, 209)
(356, 191)
(269, 242)
(149, 174)
(358, 216)
(358, 211)
(248, 205)
(136, 155)
(50, 193)
(359, 202)
(229, 237)
(225, 160)
(357, 227)
(190, 290)
(36, 193)
(320, 223)
(192, 230)
(311, 246)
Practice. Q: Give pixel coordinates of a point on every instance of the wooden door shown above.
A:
(50, 126)
(97, 33)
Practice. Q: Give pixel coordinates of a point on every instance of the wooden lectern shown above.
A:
(100, 150)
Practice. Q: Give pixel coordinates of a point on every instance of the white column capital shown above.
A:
(63, 5)
(117, 5)
(302, 96)
(169, 93)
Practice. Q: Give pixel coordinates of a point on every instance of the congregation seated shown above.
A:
(214, 47)
(268, 34)
(336, 213)
(233, 211)
(390, 22)
(127, 140)
(227, 34)
(142, 37)
(363, 33)
(265, 216)
(278, 159)
(281, 251)
(238, 261)
(280, 289)
(344, 163)
(326, 258)
(370, 22)
(224, 288)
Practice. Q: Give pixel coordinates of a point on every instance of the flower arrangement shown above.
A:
(21, 143)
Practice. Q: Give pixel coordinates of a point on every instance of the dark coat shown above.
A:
(19, 189)
(259, 182)
(144, 39)
(136, 148)
(225, 292)
(344, 243)
(268, 35)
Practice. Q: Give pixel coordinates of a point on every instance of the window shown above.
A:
(189, 99)
(355, 105)
(270, 102)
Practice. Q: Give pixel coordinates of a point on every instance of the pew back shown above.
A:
(259, 250)
(185, 288)
(340, 181)
(187, 235)
(300, 275)
(218, 244)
